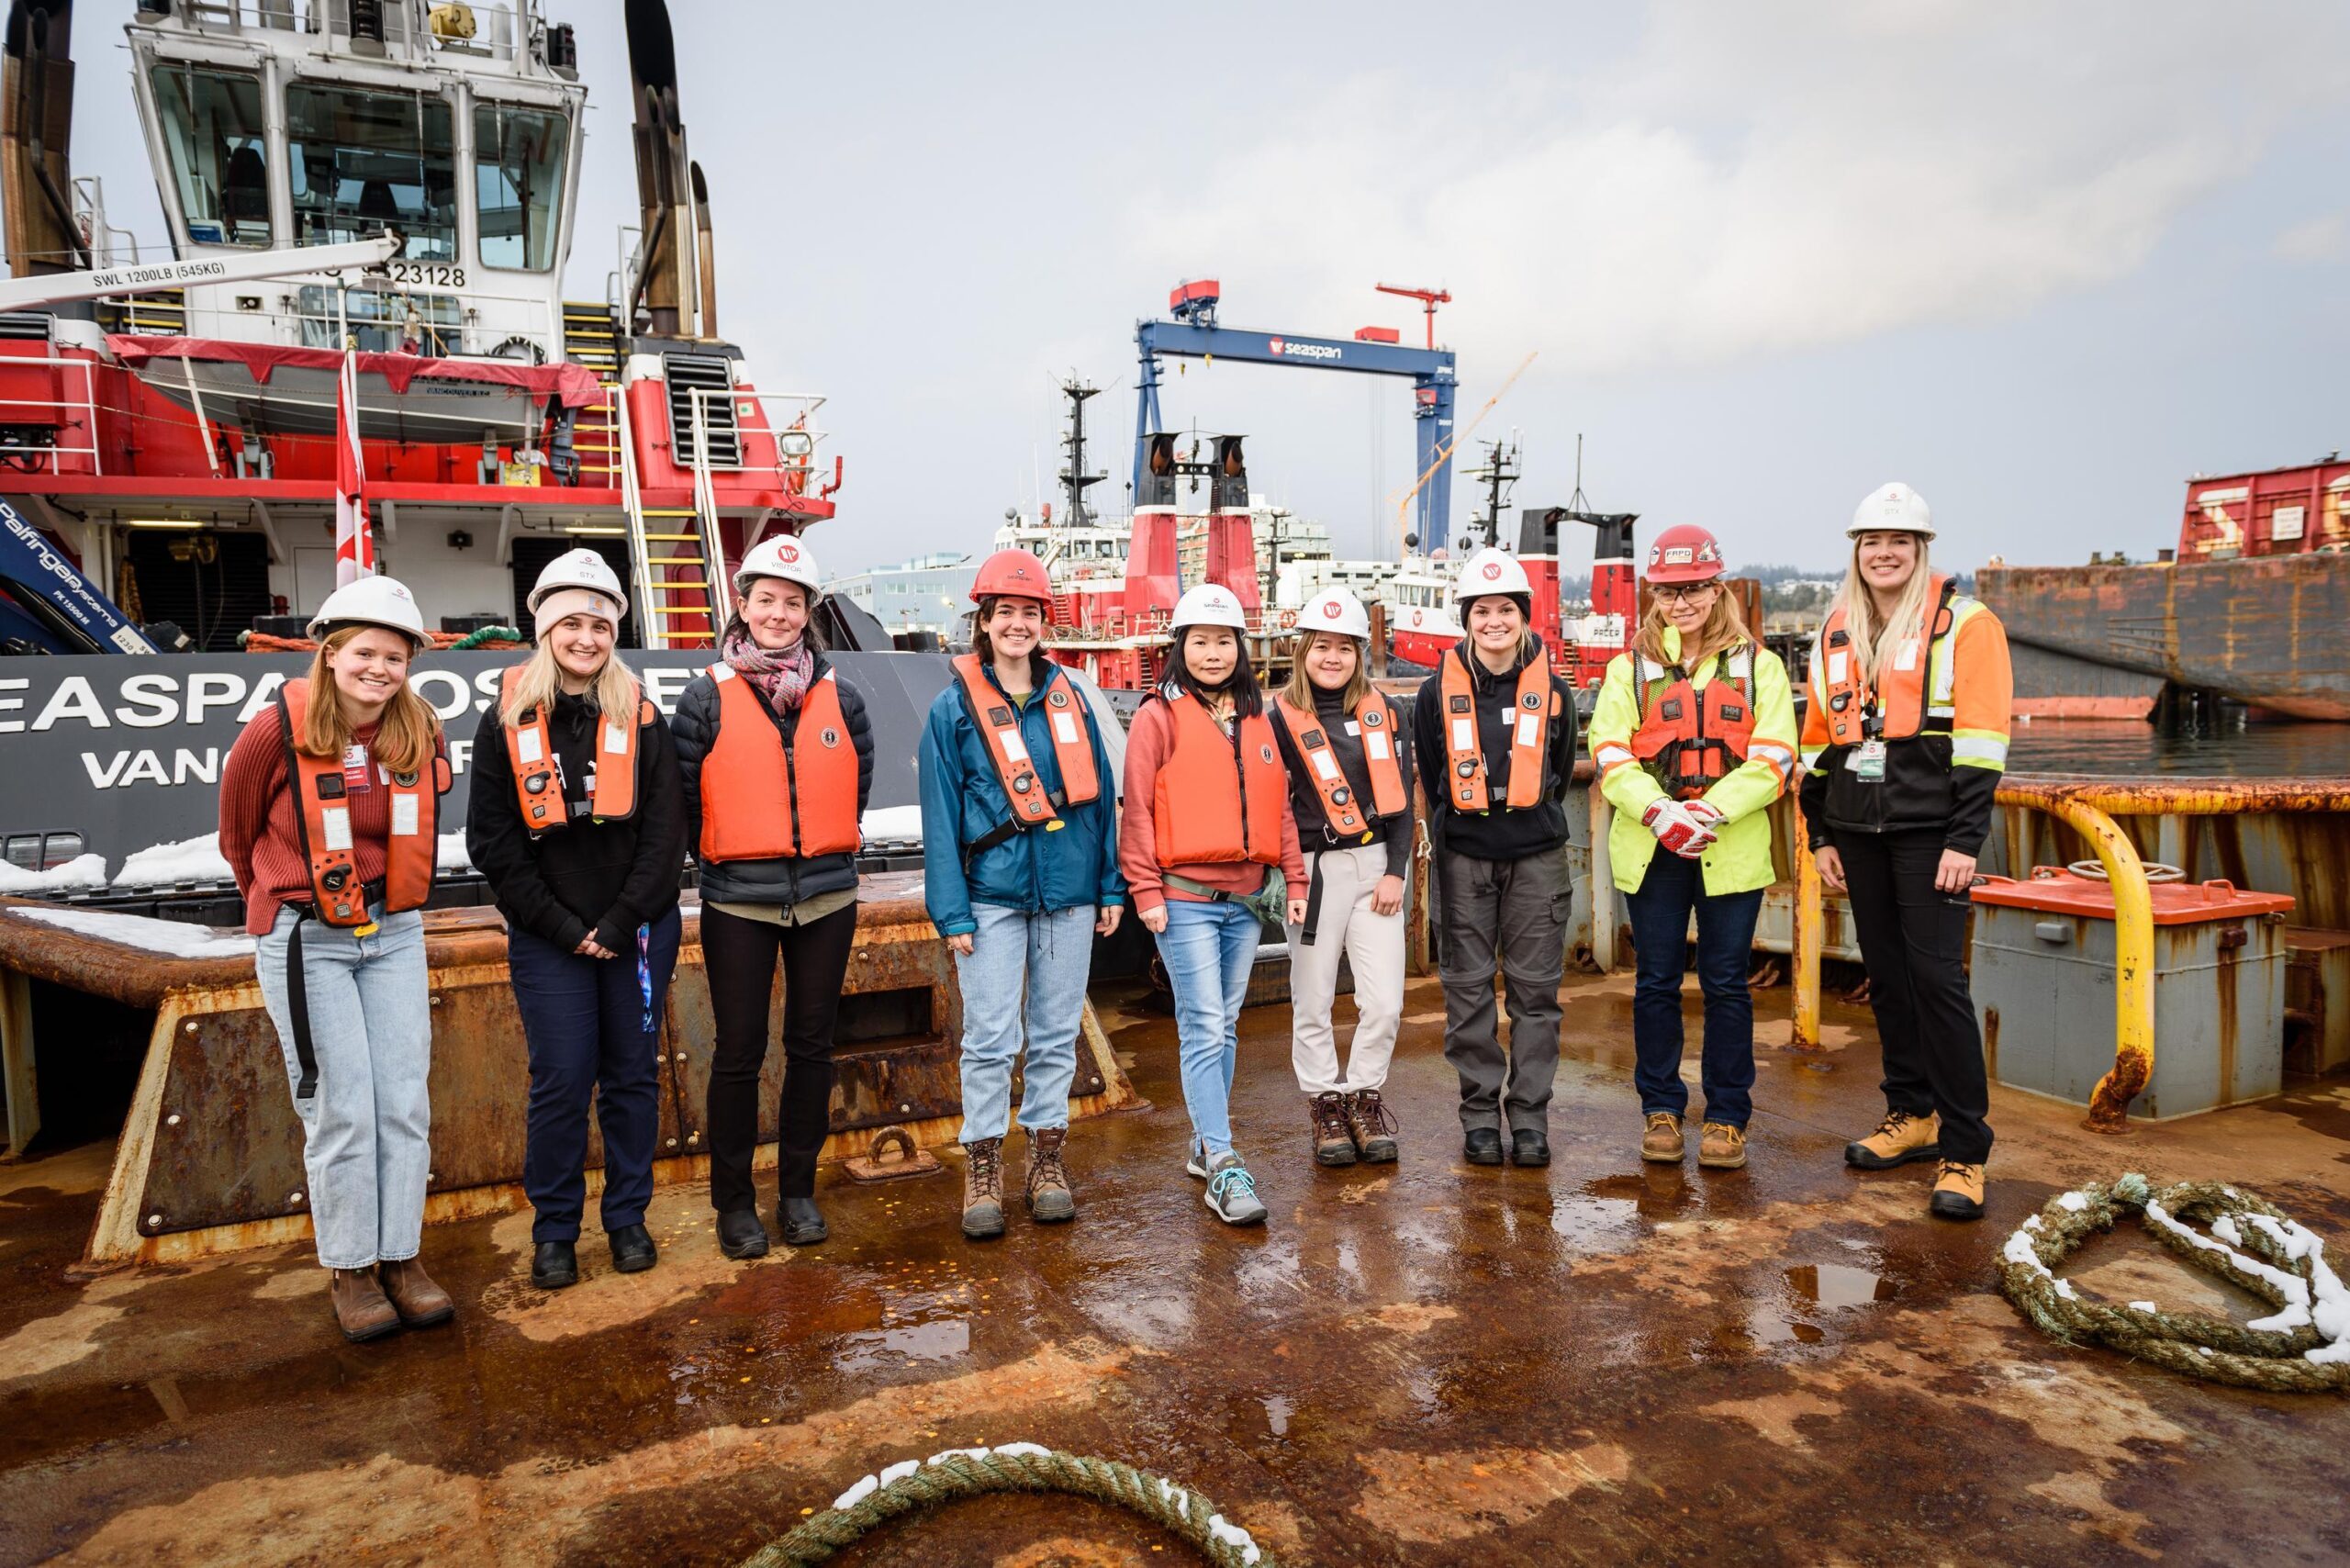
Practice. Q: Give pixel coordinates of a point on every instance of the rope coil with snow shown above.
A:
(2302, 1348)
(959, 1474)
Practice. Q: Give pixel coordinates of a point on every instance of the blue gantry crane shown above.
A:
(1195, 333)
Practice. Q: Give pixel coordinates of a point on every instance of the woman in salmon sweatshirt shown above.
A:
(1206, 820)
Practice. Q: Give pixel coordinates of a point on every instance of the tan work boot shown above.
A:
(419, 1302)
(1334, 1143)
(983, 1188)
(1722, 1146)
(1050, 1199)
(1898, 1140)
(1661, 1144)
(361, 1307)
(1958, 1192)
(1372, 1126)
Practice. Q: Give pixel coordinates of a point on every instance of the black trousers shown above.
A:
(1913, 939)
(741, 957)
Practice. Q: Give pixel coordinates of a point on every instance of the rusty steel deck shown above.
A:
(1427, 1364)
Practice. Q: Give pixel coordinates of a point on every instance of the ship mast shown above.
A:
(1073, 477)
(1500, 472)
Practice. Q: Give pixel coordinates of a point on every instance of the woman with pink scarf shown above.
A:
(778, 763)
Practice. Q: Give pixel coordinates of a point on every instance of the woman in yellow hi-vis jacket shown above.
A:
(1694, 737)
(1904, 742)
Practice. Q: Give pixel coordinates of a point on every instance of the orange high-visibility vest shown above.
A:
(1340, 807)
(760, 802)
(1530, 735)
(1901, 701)
(538, 783)
(1218, 797)
(998, 721)
(1690, 737)
(323, 816)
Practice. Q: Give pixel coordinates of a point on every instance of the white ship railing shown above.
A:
(87, 407)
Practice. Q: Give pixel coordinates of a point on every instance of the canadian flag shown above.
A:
(355, 542)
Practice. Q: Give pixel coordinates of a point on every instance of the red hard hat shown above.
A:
(1012, 574)
(1685, 553)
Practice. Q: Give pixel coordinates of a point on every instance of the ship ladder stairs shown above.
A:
(683, 596)
(590, 339)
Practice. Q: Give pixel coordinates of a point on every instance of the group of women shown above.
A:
(1242, 808)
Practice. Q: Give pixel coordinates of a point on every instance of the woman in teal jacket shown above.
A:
(1020, 869)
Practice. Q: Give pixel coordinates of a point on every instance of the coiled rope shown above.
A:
(959, 1474)
(2302, 1348)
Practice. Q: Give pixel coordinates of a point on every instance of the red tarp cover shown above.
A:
(574, 384)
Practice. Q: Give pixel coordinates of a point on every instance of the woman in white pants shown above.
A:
(1350, 787)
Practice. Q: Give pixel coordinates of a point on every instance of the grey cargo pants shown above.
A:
(1514, 912)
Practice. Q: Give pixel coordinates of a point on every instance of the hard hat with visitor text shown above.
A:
(778, 555)
(1210, 604)
(372, 601)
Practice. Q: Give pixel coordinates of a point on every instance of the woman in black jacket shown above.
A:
(577, 820)
(778, 762)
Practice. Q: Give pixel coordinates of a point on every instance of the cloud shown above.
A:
(1752, 179)
(2324, 239)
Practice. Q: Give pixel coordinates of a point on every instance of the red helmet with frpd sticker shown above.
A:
(1685, 553)
(1011, 573)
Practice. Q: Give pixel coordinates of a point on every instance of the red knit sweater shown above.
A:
(260, 834)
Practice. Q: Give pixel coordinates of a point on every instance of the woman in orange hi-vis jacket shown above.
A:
(1903, 746)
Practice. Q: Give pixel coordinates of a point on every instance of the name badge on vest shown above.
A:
(1868, 762)
(355, 768)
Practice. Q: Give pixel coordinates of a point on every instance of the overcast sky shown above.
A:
(2042, 261)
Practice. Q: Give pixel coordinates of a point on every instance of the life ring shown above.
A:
(1289, 620)
(1415, 617)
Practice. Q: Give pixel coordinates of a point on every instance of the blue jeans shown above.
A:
(1024, 974)
(1208, 949)
(1659, 912)
(584, 1020)
(367, 1130)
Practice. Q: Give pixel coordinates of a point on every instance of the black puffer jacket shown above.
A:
(783, 881)
(607, 877)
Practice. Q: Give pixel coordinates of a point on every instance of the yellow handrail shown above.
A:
(1810, 937)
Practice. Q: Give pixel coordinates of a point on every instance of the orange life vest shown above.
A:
(1529, 735)
(760, 802)
(323, 816)
(1690, 737)
(998, 721)
(1218, 798)
(538, 783)
(1901, 703)
(1340, 807)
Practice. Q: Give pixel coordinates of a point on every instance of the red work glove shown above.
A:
(1705, 813)
(1677, 829)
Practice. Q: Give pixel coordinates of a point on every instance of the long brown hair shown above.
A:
(1299, 692)
(1040, 669)
(407, 737)
(1725, 628)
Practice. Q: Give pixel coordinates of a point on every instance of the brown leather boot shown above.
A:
(1662, 1144)
(1898, 1140)
(1050, 1199)
(983, 1188)
(1372, 1125)
(1333, 1143)
(361, 1307)
(419, 1302)
(1722, 1146)
(1958, 1192)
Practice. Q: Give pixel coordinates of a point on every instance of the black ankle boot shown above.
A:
(632, 1249)
(1482, 1145)
(802, 1221)
(555, 1264)
(740, 1234)
(1530, 1146)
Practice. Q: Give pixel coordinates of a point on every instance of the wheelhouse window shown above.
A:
(364, 162)
(212, 139)
(518, 184)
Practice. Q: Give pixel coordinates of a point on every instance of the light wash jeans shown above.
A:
(1208, 949)
(1022, 969)
(366, 1134)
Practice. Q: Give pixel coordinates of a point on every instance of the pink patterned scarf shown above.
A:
(781, 674)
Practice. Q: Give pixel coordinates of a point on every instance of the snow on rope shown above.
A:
(2302, 1348)
(957, 1474)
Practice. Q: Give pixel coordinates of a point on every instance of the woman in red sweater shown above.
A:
(328, 819)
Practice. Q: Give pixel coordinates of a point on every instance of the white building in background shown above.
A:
(929, 593)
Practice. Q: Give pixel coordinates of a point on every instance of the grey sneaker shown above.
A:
(1231, 1193)
(1195, 1162)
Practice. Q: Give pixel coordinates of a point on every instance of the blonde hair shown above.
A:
(1870, 636)
(612, 693)
(1299, 692)
(1725, 628)
(407, 737)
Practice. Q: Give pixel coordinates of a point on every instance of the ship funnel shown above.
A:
(35, 131)
(705, 254)
(669, 278)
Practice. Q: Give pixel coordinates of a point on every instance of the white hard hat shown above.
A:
(1894, 508)
(1334, 609)
(778, 555)
(372, 601)
(1210, 604)
(1490, 571)
(580, 569)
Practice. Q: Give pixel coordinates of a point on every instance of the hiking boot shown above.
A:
(554, 1265)
(983, 1188)
(1371, 1127)
(1195, 1162)
(1529, 1147)
(1722, 1147)
(741, 1236)
(1482, 1145)
(1662, 1144)
(1898, 1140)
(632, 1249)
(361, 1307)
(1958, 1192)
(1232, 1191)
(419, 1302)
(1050, 1199)
(1333, 1143)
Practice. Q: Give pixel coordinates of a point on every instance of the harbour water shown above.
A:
(2127, 748)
